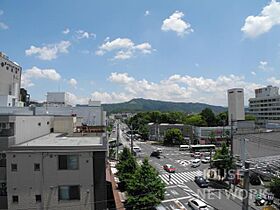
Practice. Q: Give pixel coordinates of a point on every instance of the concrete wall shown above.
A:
(26, 182)
(236, 109)
(63, 124)
(31, 127)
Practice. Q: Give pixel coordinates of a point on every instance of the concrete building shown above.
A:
(236, 110)
(58, 172)
(212, 135)
(10, 78)
(266, 105)
(58, 99)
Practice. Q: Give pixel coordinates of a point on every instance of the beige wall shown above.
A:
(26, 182)
(64, 124)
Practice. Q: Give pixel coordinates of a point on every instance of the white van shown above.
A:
(195, 163)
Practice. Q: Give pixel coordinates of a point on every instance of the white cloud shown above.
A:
(37, 73)
(77, 99)
(175, 23)
(3, 26)
(147, 12)
(273, 81)
(72, 82)
(177, 88)
(124, 48)
(264, 66)
(50, 51)
(1, 12)
(262, 23)
(66, 31)
(81, 34)
(253, 73)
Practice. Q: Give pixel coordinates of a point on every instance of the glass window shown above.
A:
(38, 198)
(14, 167)
(69, 193)
(15, 198)
(36, 167)
(68, 162)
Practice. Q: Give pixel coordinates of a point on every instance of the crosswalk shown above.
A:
(181, 177)
(183, 162)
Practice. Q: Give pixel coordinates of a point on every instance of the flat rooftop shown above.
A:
(60, 140)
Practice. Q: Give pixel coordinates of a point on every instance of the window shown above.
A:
(15, 198)
(38, 198)
(68, 162)
(36, 167)
(69, 192)
(48, 123)
(39, 124)
(14, 167)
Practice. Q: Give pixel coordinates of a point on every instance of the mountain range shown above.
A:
(142, 105)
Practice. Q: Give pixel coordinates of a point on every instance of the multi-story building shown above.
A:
(236, 110)
(59, 99)
(266, 105)
(58, 171)
(10, 77)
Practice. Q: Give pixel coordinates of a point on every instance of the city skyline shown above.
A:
(116, 51)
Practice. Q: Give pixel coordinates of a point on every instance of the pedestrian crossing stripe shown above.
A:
(181, 177)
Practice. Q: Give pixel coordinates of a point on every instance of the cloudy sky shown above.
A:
(113, 51)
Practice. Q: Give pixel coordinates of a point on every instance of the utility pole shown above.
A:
(131, 140)
(245, 202)
(118, 138)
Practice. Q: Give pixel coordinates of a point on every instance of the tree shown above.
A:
(212, 137)
(223, 160)
(222, 119)
(145, 190)
(209, 116)
(195, 120)
(250, 117)
(275, 187)
(126, 167)
(173, 136)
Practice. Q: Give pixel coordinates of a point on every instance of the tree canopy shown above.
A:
(275, 187)
(173, 136)
(145, 189)
(209, 116)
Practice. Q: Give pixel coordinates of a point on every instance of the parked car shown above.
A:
(137, 149)
(155, 153)
(169, 168)
(195, 163)
(197, 204)
(196, 155)
(200, 181)
(206, 160)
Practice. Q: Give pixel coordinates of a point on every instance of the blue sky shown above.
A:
(114, 51)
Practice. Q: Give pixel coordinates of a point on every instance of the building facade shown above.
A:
(58, 172)
(212, 135)
(236, 111)
(10, 78)
(266, 105)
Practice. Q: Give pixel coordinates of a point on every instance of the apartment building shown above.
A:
(10, 78)
(266, 105)
(58, 171)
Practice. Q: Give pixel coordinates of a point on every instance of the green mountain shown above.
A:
(140, 104)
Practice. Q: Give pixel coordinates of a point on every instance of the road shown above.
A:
(181, 188)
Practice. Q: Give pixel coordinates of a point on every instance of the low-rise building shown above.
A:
(58, 171)
(212, 135)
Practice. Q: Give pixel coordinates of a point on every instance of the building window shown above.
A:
(15, 198)
(69, 192)
(68, 162)
(38, 198)
(39, 124)
(48, 123)
(36, 167)
(14, 167)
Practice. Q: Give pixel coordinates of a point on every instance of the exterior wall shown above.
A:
(61, 98)
(236, 110)
(7, 101)
(268, 91)
(64, 124)
(202, 134)
(26, 182)
(25, 124)
(10, 77)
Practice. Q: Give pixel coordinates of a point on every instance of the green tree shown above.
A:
(195, 120)
(145, 190)
(173, 136)
(222, 119)
(126, 167)
(250, 117)
(223, 160)
(275, 187)
(212, 137)
(209, 116)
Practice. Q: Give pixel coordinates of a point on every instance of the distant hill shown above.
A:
(140, 105)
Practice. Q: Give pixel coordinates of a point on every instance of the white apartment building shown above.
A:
(58, 172)
(236, 110)
(266, 105)
(10, 78)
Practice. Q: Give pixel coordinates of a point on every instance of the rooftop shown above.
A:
(60, 140)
